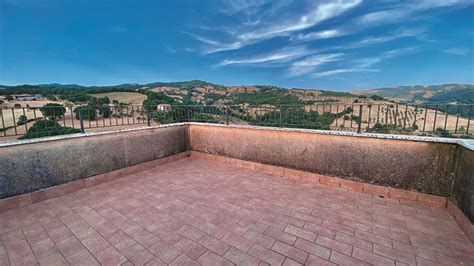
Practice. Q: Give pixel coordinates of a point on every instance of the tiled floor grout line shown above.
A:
(342, 189)
(354, 236)
(74, 211)
(280, 211)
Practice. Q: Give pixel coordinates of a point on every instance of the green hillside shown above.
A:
(432, 94)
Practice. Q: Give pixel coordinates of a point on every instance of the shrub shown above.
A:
(17, 105)
(443, 133)
(44, 128)
(53, 110)
(22, 119)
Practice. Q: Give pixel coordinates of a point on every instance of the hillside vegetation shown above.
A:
(432, 94)
(186, 92)
(206, 93)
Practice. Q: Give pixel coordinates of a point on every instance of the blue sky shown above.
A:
(338, 44)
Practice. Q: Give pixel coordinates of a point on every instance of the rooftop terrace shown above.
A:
(192, 194)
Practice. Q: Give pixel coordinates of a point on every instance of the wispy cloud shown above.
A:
(340, 71)
(318, 13)
(215, 46)
(457, 51)
(370, 61)
(308, 64)
(324, 34)
(236, 6)
(322, 12)
(401, 33)
(408, 10)
(365, 64)
(279, 56)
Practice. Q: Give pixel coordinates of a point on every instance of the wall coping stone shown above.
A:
(80, 135)
(466, 143)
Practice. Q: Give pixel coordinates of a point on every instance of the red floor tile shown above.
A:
(196, 211)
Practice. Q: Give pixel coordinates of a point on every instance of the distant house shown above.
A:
(27, 97)
(164, 107)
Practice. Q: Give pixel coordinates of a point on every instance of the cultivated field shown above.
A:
(424, 119)
(123, 97)
(386, 114)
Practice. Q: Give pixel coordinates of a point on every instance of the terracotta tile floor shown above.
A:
(195, 211)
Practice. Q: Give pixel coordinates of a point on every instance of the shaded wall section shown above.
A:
(463, 189)
(30, 167)
(422, 166)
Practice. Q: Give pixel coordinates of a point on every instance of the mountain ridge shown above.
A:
(450, 93)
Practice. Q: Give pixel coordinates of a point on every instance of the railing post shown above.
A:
(148, 117)
(227, 115)
(279, 123)
(359, 123)
(81, 120)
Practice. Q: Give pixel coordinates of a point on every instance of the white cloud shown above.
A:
(370, 61)
(457, 51)
(365, 64)
(408, 10)
(340, 71)
(282, 55)
(401, 33)
(236, 6)
(325, 34)
(317, 14)
(308, 64)
(322, 12)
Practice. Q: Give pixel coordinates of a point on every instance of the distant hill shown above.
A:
(203, 92)
(431, 94)
(199, 91)
(194, 92)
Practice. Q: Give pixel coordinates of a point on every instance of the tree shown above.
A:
(104, 100)
(105, 111)
(93, 101)
(53, 110)
(9, 98)
(87, 112)
(22, 119)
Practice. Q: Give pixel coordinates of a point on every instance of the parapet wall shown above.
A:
(30, 167)
(437, 168)
(441, 169)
